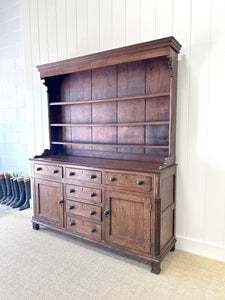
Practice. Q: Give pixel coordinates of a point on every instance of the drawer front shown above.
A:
(52, 171)
(127, 180)
(81, 226)
(85, 175)
(84, 210)
(90, 194)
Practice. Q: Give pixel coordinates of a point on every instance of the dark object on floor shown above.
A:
(16, 192)
(22, 193)
(28, 194)
(4, 190)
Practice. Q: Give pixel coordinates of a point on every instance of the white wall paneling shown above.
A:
(60, 29)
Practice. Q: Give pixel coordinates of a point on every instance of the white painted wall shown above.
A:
(13, 127)
(60, 29)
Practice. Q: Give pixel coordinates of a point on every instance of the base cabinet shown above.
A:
(124, 210)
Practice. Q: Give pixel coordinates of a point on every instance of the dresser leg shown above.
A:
(172, 249)
(35, 226)
(155, 267)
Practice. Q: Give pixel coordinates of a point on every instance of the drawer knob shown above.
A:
(60, 201)
(56, 171)
(92, 194)
(112, 178)
(39, 169)
(93, 230)
(72, 223)
(72, 190)
(106, 212)
(71, 207)
(92, 212)
(71, 173)
(139, 182)
(93, 176)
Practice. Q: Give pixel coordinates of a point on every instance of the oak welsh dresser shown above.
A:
(109, 176)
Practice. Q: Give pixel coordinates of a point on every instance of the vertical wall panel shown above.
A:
(43, 43)
(105, 19)
(215, 172)
(82, 27)
(71, 28)
(118, 23)
(132, 21)
(52, 30)
(61, 29)
(164, 18)
(197, 126)
(93, 26)
(35, 42)
(181, 27)
(28, 79)
(147, 20)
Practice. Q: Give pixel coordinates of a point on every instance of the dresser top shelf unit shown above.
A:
(118, 104)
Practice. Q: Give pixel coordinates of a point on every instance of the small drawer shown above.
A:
(53, 171)
(90, 194)
(83, 210)
(128, 180)
(85, 175)
(81, 226)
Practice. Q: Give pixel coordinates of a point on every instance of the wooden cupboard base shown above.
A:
(155, 267)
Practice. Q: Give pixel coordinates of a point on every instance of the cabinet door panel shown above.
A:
(127, 221)
(48, 196)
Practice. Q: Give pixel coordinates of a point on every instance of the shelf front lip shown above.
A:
(155, 48)
(153, 123)
(111, 145)
(138, 97)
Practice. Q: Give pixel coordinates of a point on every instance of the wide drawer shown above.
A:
(84, 193)
(84, 210)
(46, 170)
(84, 227)
(85, 175)
(138, 182)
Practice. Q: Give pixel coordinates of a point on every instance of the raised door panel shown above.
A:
(127, 221)
(48, 201)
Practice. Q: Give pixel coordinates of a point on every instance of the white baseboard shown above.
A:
(200, 248)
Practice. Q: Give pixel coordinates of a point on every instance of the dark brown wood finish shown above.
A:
(109, 176)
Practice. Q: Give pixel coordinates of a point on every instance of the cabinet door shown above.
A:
(127, 221)
(48, 201)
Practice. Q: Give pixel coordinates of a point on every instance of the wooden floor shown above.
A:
(48, 265)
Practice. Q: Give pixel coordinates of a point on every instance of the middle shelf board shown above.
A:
(145, 96)
(155, 123)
